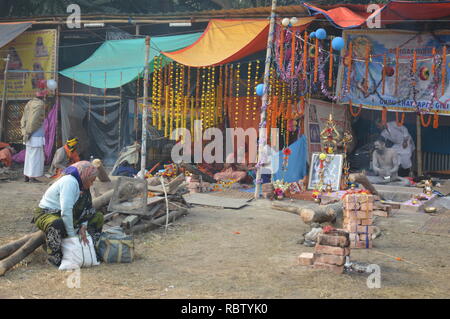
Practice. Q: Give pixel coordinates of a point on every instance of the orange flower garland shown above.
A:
(427, 123)
(400, 123)
(350, 105)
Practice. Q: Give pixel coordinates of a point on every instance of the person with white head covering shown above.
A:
(402, 142)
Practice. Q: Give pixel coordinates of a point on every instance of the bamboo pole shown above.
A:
(5, 87)
(419, 146)
(144, 110)
(262, 123)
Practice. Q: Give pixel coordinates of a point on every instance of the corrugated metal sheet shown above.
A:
(436, 162)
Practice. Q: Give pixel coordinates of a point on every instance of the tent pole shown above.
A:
(262, 123)
(144, 110)
(2, 116)
(419, 146)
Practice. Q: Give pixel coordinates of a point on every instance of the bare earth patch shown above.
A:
(215, 253)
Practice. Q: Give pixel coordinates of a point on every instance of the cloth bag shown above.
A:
(76, 254)
(114, 246)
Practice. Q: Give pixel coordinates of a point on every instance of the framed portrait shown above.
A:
(332, 171)
(314, 133)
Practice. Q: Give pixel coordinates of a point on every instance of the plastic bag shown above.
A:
(76, 254)
(114, 246)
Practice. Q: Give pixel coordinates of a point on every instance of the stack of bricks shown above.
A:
(330, 252)
(358, 216)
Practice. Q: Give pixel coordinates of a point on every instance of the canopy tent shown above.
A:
(117, 62)
(11, 30)
(353, 16)
(226, 41)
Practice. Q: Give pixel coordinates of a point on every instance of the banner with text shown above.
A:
(400, 86)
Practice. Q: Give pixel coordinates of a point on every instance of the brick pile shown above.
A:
(330, 252)
(358, 218)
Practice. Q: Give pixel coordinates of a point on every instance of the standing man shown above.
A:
(403, 144)
(32, 126)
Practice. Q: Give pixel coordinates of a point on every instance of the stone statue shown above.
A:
(385, 162)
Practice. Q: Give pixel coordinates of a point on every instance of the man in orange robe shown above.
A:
(64, 156)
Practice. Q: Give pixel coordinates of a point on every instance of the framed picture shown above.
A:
(332, 171)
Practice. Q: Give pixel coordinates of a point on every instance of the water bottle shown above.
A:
(92, 158)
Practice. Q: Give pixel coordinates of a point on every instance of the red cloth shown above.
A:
(5, 154)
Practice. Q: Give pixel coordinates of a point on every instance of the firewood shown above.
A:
(36, 240)
(313, 213)
(11, 247)
(160, 221)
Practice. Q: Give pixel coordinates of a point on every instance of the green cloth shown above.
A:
(123, 60)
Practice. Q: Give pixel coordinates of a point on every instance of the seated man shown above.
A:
(64, 157)
(6, 152)
(385, 164)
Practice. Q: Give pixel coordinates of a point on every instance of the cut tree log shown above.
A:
(36, 240)
(314, 213)
(11, 247)
(361, 178)
(102, 175)
(126, 191)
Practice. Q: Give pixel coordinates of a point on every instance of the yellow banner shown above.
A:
(32, 57)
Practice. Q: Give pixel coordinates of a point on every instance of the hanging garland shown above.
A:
(350, 105)
(402, 121)
(425, 124)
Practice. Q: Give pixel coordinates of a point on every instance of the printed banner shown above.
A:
(317, 115)
(32, 57)
(397, 92)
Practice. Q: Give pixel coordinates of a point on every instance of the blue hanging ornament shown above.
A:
(260, 89)
(321, 34)
(337, 43)
(312, 35)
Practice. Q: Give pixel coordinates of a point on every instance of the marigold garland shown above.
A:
(436, 119)
(350, 105)
(427, 123)
(402, 121)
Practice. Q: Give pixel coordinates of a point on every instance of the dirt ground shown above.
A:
(221, 253)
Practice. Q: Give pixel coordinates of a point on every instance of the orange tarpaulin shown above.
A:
(352, 16)
(225, 41)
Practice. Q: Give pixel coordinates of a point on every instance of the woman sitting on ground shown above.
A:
(66, 207)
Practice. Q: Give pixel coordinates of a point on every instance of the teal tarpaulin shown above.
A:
(117, 62)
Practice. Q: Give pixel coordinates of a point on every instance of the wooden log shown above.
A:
(102, 175)
(11, 247)
(35, 241)
(130, 221)
(126, 191)
(160, 221)
(361, 178)
(313, 213)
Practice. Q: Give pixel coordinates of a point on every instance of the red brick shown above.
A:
(380, 213)
(361, 244)
(351, 228)
(330, 240)
(320, 249)
(329, 259)
(333, 268)
(365, 229)
(305, 259)
(366, 222)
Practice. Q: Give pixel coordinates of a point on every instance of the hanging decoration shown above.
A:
(329, 136)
